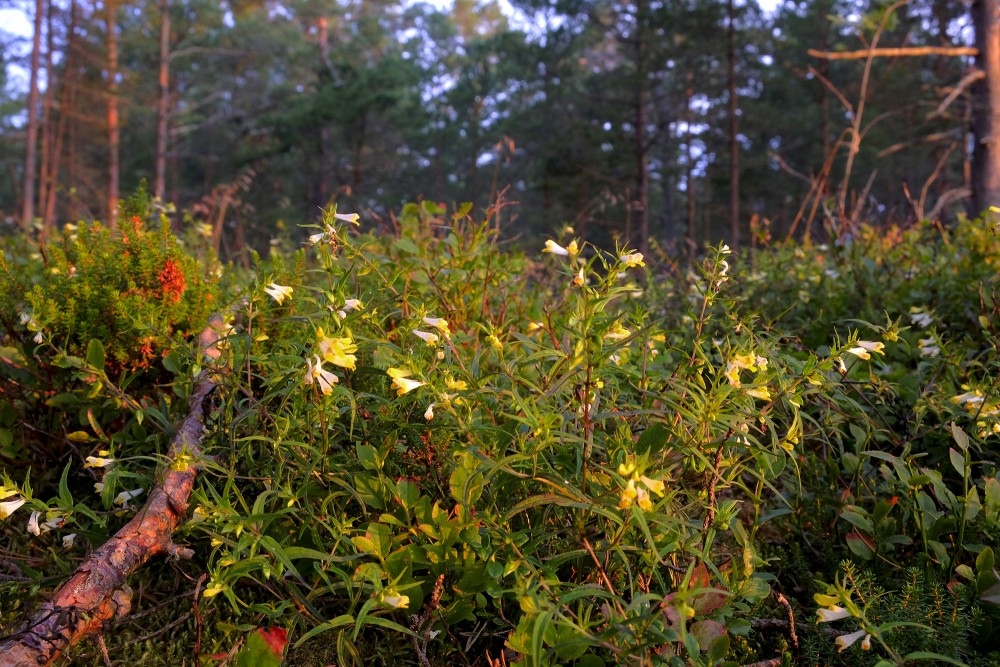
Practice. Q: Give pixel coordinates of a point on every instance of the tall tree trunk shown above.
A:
(163, 104)
(31, 148)
(692, 243)
(48, 127)
(64, 102)
(986, 100)
(323, 172)
(641, 205)
(734, 143)
(111, 20)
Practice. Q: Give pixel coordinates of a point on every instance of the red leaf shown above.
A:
(276, 638)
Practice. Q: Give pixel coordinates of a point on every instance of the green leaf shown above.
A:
(937, 657)
(338, 622)
(957, 461)
(172, 362)
(984, 561)
(95, 354)
(960, 436)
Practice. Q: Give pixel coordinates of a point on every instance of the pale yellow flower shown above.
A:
(33, 523)
(762, 393)
(126, 496)
(98, 462)
(400, 379)
(315, 373)
(440, 324)
(278, 292)
(580, 279)
(832, 613)
(67, 540)
(429, 412)
(655, 485)
(633, 259)
(843, 641)
(556, 249)
(426, 336)
(9, 506)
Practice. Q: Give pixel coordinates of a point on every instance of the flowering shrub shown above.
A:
(428, 448)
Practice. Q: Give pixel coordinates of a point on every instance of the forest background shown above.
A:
(666, 122)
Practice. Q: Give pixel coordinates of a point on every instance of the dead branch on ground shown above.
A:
(97, 592)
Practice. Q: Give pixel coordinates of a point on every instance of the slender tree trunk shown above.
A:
(65, 104)
(31, 148)
(323, 172)
(689, 168)
(986, 101)
(48, 127)
(111, 10)
(163, 104)
(641, 206)
(734, 143)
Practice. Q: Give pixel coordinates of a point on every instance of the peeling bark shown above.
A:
(97, 592)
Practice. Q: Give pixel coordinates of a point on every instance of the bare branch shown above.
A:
(967, 80)
(889, 52)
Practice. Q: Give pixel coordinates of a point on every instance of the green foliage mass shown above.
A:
(426, 448)
(136, 290)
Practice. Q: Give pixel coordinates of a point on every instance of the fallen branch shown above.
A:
(97, 592)
(888, 52)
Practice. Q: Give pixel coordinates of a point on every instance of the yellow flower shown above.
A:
(633, 259)
(630, 491)
(98, 462)
(643, 498)
(427, 337)
(214, 588)
(535, 326)
(618, 332)
(456, 385)
(495, 342)
(315, 373)
(580, 279)
(338, 351)
(762, 393)
(396, 601)
(278, 292)
(626, 469)
(733, 374)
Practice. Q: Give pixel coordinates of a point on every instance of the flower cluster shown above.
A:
(634, 492)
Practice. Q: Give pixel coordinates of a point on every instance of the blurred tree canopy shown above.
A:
(612, 117)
